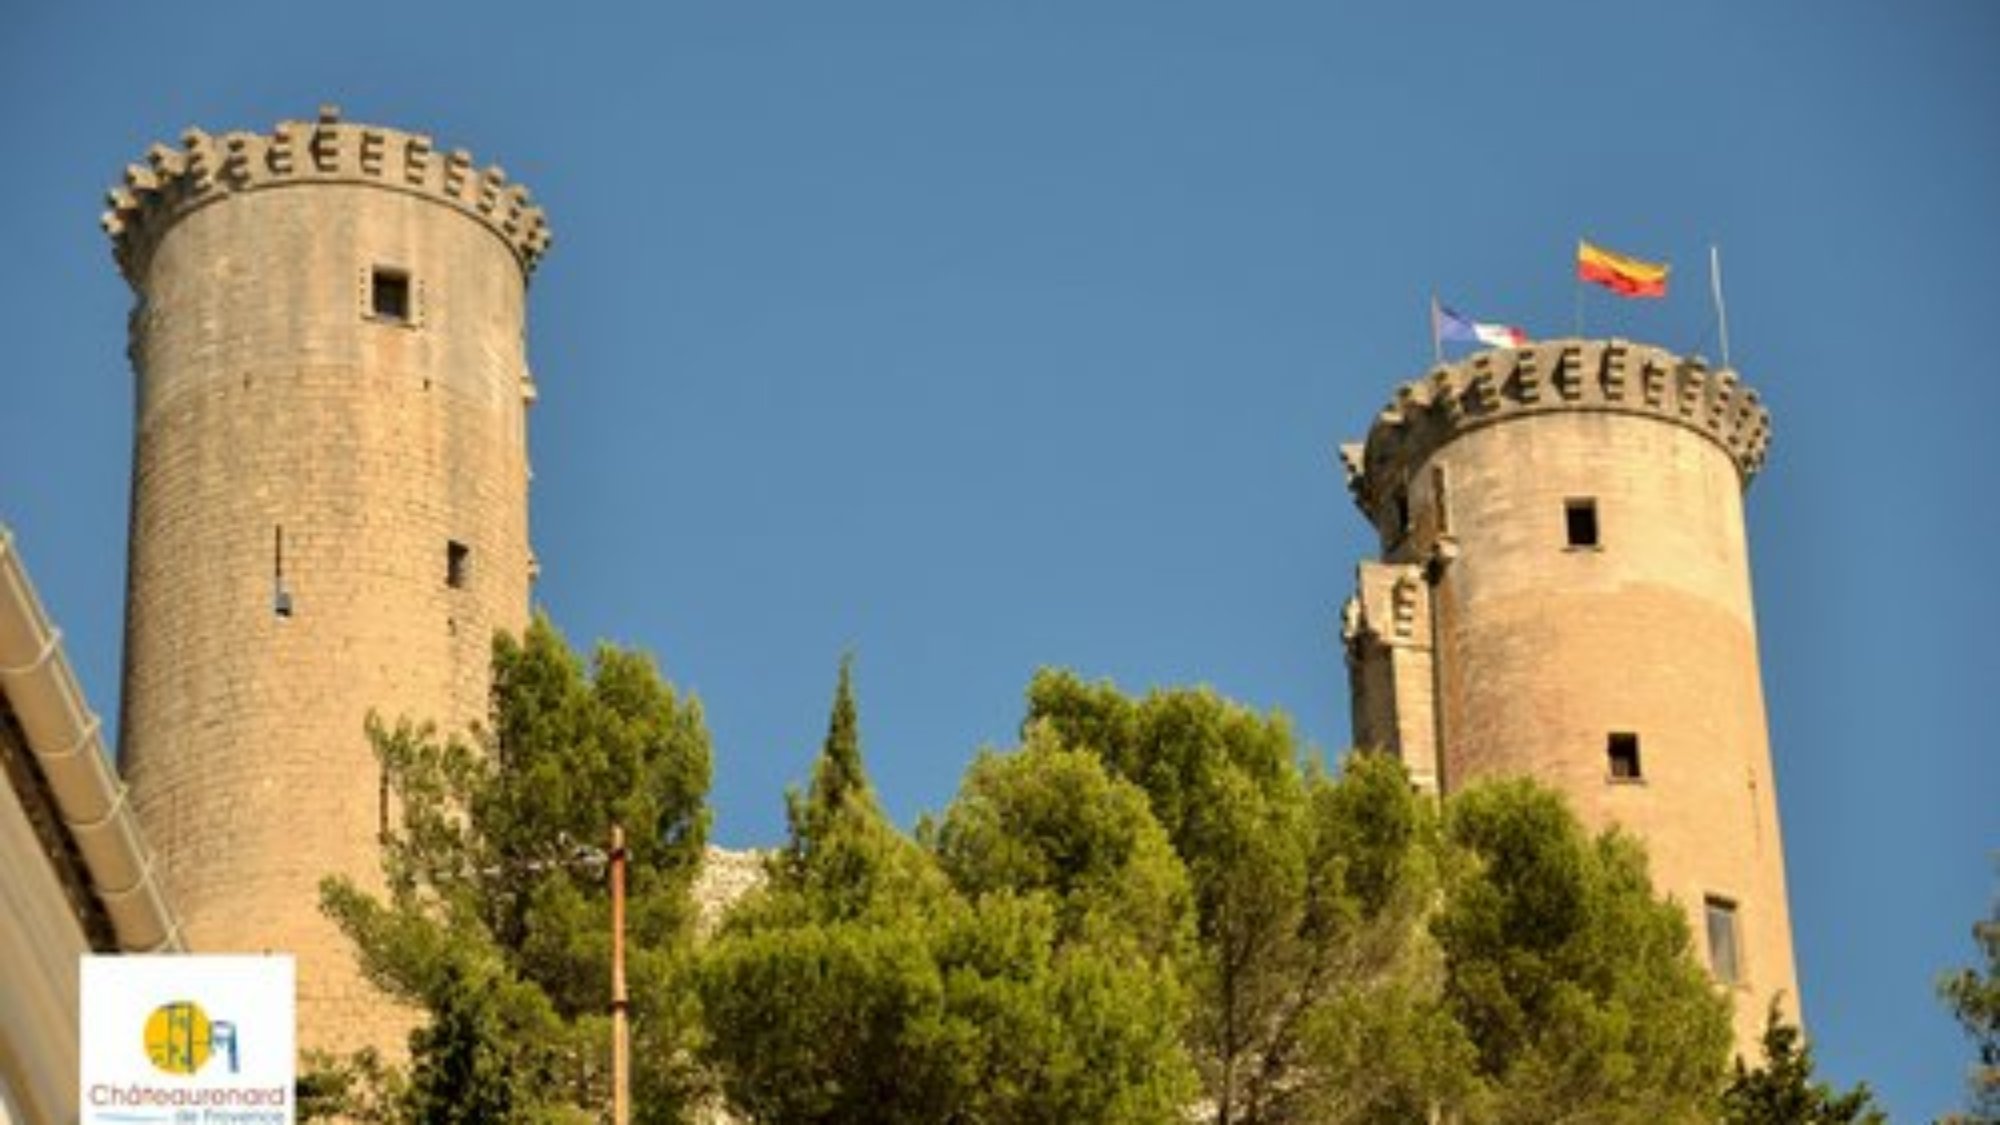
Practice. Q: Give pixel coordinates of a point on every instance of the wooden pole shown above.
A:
(621, 1048)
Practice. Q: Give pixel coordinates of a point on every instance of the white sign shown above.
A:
(188, 1040)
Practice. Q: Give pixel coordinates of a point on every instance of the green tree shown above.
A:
(1782, 1091)
(1575, 982)
(1049, 822)
(842, 857)
(496, 920)
(861, 985)
(1378, 1040)
(968, 1011)
(1318, 994)
(840, 786)
(1973, 994)
(1224, 784)
(809, 987)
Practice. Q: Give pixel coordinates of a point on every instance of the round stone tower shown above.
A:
(329, 508)
(1564, 594)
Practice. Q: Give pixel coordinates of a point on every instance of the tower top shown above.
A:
(172, 182)
(1605, 376)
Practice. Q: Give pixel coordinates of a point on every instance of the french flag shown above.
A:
(1449, 325)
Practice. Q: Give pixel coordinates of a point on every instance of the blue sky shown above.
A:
(980, 337)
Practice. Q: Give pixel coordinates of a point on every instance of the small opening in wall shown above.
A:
(1580, 521)
(1440, 500)
(457, 564)
(1723, 957)
(1621, 751)
(389, 295)
(281, 598)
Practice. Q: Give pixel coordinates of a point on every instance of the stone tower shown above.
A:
(329, 507)
(1564, 593)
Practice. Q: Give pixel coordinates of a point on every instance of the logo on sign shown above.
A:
(180, 1038)
(187, 1039)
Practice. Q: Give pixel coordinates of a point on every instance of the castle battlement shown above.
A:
(173, 182)
(1613, 376)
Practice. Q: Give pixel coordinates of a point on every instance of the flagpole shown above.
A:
(1721, 310)
(1437, 342)
(1576, 280)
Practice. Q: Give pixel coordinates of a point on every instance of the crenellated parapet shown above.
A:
(172, 182)
(1611, 376)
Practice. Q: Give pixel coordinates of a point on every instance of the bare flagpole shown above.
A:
(1721, 311)
(1578, 283)
(1437, 342)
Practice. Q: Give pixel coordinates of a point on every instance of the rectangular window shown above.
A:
(1621, 750)
(457, 564)
(1440, 501)
(389, 295)
(1580, 520)
(1723, 958)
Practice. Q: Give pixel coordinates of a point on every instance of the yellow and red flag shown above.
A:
(1627, 277)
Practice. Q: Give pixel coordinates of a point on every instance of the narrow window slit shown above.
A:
(457, 564)
(1724, 958)
(281, 598)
